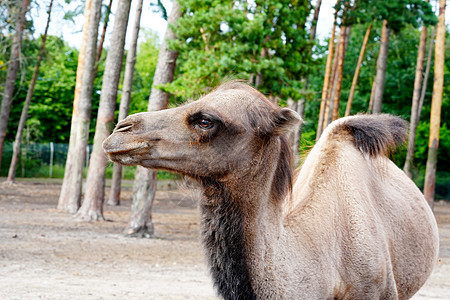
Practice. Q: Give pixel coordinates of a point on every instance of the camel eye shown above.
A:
(205, 124)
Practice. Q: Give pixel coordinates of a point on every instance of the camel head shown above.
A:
(212, 137)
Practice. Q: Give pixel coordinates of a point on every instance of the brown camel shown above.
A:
(351, 226)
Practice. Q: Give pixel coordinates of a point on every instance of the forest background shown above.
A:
(217, 43)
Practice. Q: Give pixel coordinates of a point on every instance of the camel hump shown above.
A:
(376, 134)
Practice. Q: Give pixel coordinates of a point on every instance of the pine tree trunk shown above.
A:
(145, 179)
(292, 139)
(71, 154)
(312, 31)
(357, 70)
(23, 117)
(105, 26)
(427, 73)
(326, 81)
(372, 93)
(92, 208)
(381, 69)
(331, 89)
(144, 190)
(259, 78)
(415, 102)
(11, 74)
(340, 71)
(84, 106)
(114, 194)
(436, 103)
(335, 89)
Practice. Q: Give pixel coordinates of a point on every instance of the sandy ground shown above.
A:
(46, 254)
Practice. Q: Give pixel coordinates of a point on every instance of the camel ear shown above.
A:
(285, 121)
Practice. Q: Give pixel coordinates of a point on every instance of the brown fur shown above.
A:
(352, 226)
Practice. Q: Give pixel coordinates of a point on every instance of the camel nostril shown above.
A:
(123, 127)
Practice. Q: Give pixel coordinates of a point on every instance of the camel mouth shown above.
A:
(112, 151)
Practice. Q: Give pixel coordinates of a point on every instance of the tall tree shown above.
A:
(114, 194)
(415, 102)
(144, 187)
(70, 196)
(64, 194)
(427, 73)
(327, 77)
(12, 72)
(105, 26)
(24, 115)
(381, 69)
(337, 87)
(436, 103)
(92, 207)
(357, 70)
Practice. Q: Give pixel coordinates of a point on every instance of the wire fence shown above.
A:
(49, 159)
(38, 159)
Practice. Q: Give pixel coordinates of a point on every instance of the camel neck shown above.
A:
(230, 228)
(224, 242)
(240, 218)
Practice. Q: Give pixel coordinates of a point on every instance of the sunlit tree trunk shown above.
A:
(436, 103)
(11, 74)
(82, 110)
(24, 115)
(71, 155)
(357, 70)
(92, 208)
(144, 187)
(114, 194)
(330, 94)
(340, 72)
(381, 69)
(326, 81)
(415, 102)
(335, 90)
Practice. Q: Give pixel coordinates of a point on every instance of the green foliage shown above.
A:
(146, 59)
(399, 13)
(420, 155)
(234, 39)
(158, 7)
(51, 106)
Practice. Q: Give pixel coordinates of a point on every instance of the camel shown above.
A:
(351, 225)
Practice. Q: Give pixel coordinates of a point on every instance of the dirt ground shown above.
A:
(46, 254)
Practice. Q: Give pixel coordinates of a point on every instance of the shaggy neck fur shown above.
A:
(230, 212)
(223, 238)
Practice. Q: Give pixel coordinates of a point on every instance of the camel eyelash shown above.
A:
(198, 117)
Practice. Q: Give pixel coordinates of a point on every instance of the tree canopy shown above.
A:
(265, 42)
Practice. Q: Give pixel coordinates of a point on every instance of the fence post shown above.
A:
(24, 154)
(52, 150)
(87, 156)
